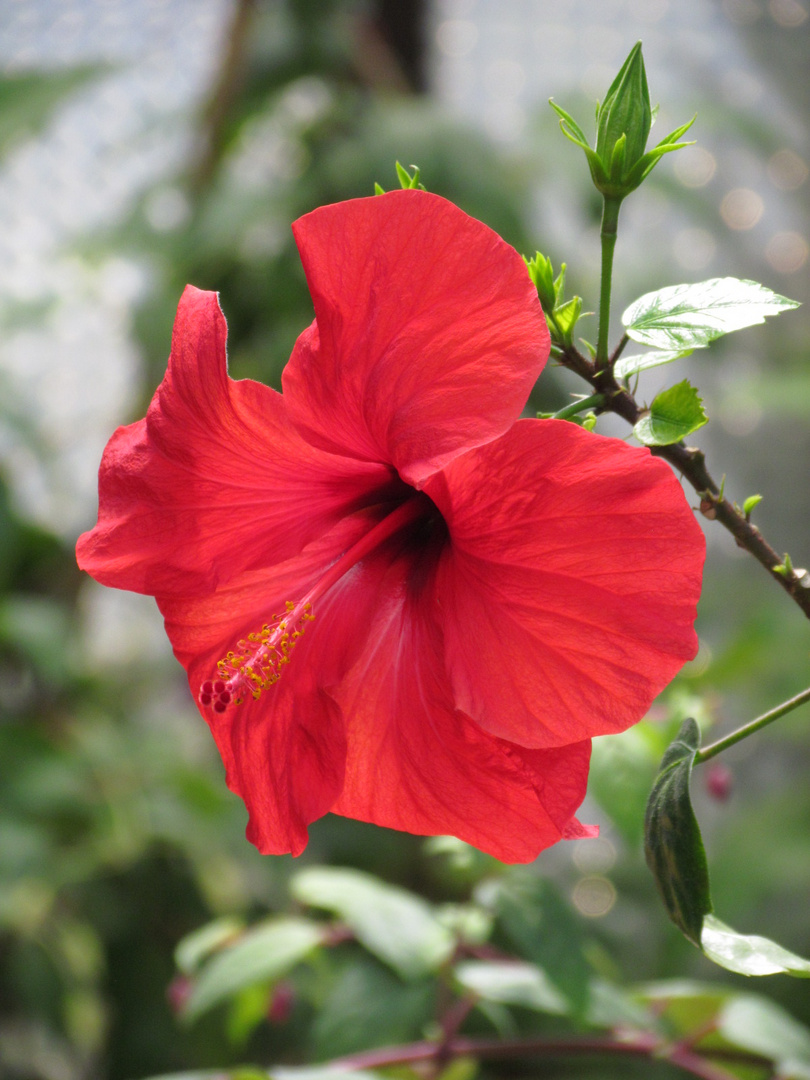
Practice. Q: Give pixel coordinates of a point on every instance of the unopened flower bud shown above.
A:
(624, 118)
(281, 1003)
(719, 781)
(619, 161)
(178, 992)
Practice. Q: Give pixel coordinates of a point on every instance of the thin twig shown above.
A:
(639, 1045)
(714, 748)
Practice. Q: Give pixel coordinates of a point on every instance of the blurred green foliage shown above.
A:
(118, 838)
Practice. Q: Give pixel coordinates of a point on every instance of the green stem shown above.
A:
(707, 752)
(595, 401)
(610, 221)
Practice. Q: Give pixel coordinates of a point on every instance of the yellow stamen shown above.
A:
(258, 660)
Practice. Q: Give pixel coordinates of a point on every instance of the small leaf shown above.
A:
(511, 984)
(565, 317)
(364, 1005)
(623, 768)
(760, 1026)
(265, 952)
(674, 414)
(403, 176)
(690, 316)
(750, 503)
(749, 954)
(398, 927)
(378, 189)
(406, 180)
(626, 366)
(195, 947)
(543, 928)
(673, 845)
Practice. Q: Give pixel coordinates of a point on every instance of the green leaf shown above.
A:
(544, 930)
(626, 366)
(674, 414)
(750, 503)
(690, 316)
(675, 855)
(673, 845)
(367, 1005)
(265, 952)
(565, 317)
(511, 984)
(749, 954)
(611, 1007)
(760, 1026)
(195, 947)
(684, 1005)
(623, 768)
(397, 926)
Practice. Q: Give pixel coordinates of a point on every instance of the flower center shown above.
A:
(258, 660)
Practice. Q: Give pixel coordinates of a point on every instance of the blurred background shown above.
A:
(145, 145)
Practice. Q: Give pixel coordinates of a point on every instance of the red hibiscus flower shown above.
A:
(395, 600)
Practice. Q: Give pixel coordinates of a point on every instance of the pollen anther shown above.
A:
(257, 660)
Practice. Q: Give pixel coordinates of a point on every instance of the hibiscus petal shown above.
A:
(428, 337)
(569, 600)
(284, 753)
(415, 763)
(215, 480)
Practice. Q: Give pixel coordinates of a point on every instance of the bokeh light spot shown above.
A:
(786, 170)
(694, 249)
(787, 252)
(741, 208)
(594, 856)
(695, 168)
(456, 37)
(742, 12)
(594, 896)
(787, 13)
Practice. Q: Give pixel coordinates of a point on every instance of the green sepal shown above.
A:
(645, 165)
(617, 159)
(573, 131)
(378, 189)
(406, 181)
(673, 845)
(569, 127)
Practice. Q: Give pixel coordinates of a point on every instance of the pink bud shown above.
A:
(177, 993)
(719, 781)
(281, 1003)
